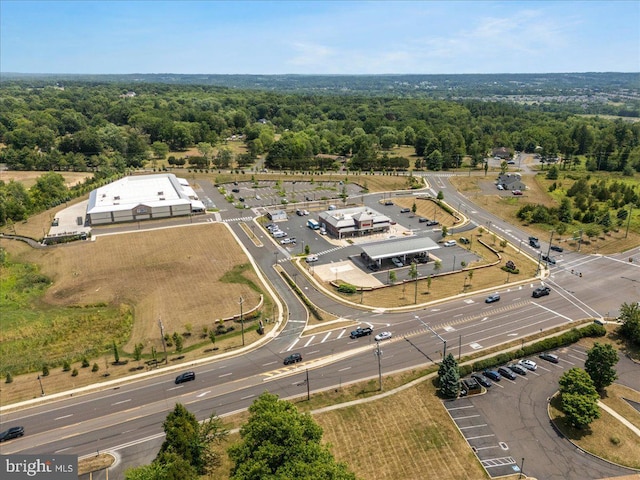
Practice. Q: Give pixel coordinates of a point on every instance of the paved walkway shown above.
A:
(620, 418)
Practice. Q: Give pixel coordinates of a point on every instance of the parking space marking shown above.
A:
(481, 436)
(462, 418)
(473, 426)
(498, 462)
(577, 358)
(567, 361)
(487, 448)
(461, 408)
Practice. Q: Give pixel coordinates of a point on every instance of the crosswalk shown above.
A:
(237, 219)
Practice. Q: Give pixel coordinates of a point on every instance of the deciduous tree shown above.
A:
(600, 363)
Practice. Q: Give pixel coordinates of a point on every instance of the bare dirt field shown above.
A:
(28, 179)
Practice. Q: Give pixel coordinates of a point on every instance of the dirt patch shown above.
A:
(28, 179)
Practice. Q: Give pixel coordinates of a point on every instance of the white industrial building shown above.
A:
(143, 197)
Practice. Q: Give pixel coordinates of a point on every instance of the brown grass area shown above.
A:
(606, 437)
(28, 179)
(614, 398)
(407, 435)
(95, 463)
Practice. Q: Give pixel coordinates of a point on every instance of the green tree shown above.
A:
(413, 274)
(579, 398)
(437, 266)
(177, 341)
(159, 149)
(449, 377)
(279, 442)
(414, 208)
(137, 351)
(445, 231)
(116, 354)
(392, 276)
(630, 318)
(601, 359)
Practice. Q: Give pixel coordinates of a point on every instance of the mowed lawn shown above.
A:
(404, 436)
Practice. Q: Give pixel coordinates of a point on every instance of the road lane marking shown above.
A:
(247, 397)
(480, 436)
(293, 344)
(462, 418)
(343, 369)
(269, 363)
(123, 401)
(204, 393)
(64, 416)
(309, 341)
(325, 337)
(473, 426)
(225, 375)
(341, 334)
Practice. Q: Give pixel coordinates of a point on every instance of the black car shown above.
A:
(485, 382)
(519, 369)
(533, 241)
(293, 358)
(556, 248)
(388, 202)
(185, 377)
(548, 259)
(374, 267)
(505, 372)
(492, 374)
(422, 220)
(541, 292)
(235, 190)
(13, 432)
(361, 332)
(549, 357)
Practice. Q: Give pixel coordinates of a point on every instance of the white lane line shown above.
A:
(204, 393)
(343, 369)
(325, 337)
(123, 401)
(341, 334)
(62, 450)
(225, 375)
(309, 341)
(293, 345)
(175, 388)
(486, 448)
(270, 363)
(553, 312)
(460, 408)
(64, 416)
(248, 396)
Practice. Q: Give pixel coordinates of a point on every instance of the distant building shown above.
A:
(511, 181)
(143, 197)
(353, 222)
(501, 152)
(277, 215)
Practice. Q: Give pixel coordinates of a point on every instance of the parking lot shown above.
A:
(509, 424)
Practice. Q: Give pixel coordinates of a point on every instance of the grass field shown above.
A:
(28, 179)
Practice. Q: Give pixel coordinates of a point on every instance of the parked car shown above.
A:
(519, 369)
(511, 162)
(361, 332)
(422, 220)
(311, 258)
(556, 248)
(286, 241)
(388, 202)
(485, 382)
(500, 187)
(505, 372)
(464, 240)
(13, 432)
(405, 210)
(279, 234)
(56, 222)
(373, 267)
(382, 336)
(492, 374)
(548, 259)
(431, 223)
(293, 358)
(397, 262)
(517, 192)
(528, 364)
(235, 190)
(185, 377)
(549, 357)
(450, 243)
(541, 292)
(492, 298)
(533, 241)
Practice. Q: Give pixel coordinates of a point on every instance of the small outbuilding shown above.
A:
(511, 181)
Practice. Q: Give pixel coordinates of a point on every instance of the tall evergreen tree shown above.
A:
(449, 377)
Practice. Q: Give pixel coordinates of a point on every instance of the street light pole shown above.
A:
(378, 354)
(41, 387)
(444, 352)
(164, 344)
(242, 320)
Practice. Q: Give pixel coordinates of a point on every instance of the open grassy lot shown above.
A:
(28, 179)
(118, 288)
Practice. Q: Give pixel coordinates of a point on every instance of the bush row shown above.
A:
(567, 338)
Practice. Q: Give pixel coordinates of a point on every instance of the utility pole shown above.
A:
(164, 344)
(242, 319)
(41, 387)
(308, 387)
(378, 354)
(550, 240)
(628, 220)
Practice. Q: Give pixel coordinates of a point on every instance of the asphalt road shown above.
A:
(126, 417)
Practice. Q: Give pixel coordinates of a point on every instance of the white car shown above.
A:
(397, 262)
(382, 336)
(450, 243)
(528, 364)
(286, 241)
(311, 258)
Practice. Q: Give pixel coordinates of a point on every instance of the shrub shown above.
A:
(65, 366)
(347, 288)
(85, 362)
(45, 370)
(9, 378)
(74, 373)
(95, 367)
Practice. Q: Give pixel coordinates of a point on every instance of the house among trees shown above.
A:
(511, 181)
(501, 152)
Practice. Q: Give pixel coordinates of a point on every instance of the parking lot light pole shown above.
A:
(242, 319)
(444, 352)
(378, 353)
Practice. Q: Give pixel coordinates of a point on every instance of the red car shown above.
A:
(517, 192)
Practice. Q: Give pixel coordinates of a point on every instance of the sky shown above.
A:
(319, 37)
